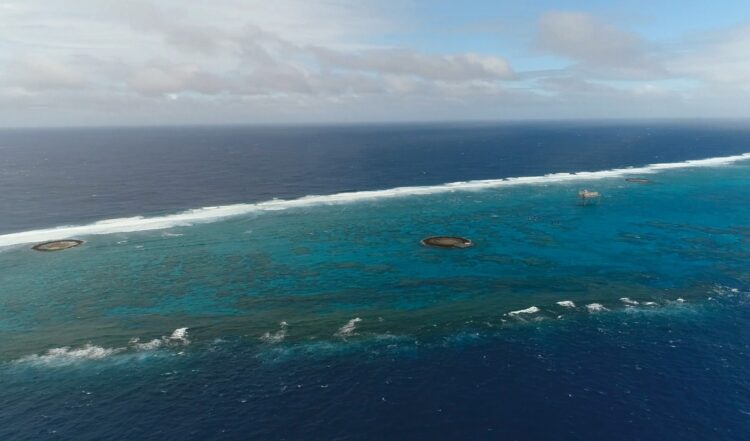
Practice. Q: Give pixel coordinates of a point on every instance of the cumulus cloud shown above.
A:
(170, 79)
(457, 67)
(719, 57)
(38, 74)
(582, 36)
(111, 61)
(598, 46)
(258, 50)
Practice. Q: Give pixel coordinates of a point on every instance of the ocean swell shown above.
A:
(209, 214)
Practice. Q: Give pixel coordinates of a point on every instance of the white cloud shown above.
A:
(110, 61)
(720, 57)
(259, 48)
(581, 36)
(457, 67)
(38, 74)
(599, 48)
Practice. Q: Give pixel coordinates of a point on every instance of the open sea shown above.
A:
(268, 283)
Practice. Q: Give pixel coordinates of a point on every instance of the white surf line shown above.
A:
(66, 355)
(210, 214)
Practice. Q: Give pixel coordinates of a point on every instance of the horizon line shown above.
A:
(572, 120)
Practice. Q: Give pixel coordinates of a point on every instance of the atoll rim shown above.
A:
(447, 242)
(57, 245)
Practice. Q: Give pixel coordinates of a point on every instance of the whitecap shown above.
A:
(650, 304)
(210, 214)
(595, 307)
(529, 310)
(628, 301)
(148, 346)
(180, 335)
(349, 327)
(66, 355)
(566, 304)
(276, 336)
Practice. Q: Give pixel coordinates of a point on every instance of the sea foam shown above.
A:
(210, 214)
(349, 327)
(276, 337)
(65, 356)
(595, 307)
(180, 335)
(529, 310)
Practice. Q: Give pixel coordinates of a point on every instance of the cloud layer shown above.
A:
(139, 62)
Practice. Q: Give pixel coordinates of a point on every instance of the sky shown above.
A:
(137, 62)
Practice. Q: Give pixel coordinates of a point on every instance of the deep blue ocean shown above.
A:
(268, 283)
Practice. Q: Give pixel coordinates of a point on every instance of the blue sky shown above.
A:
(103, 62)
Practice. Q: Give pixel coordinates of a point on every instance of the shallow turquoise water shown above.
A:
(318, 267)
(331, 321)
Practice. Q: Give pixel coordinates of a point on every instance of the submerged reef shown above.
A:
(447, 242)
(57, 245)
(638, 180)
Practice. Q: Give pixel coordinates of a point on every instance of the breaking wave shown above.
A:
(596, 307)
(277, 336)
(529, 310)
(348, 328)
(66, 356)
(209, 214)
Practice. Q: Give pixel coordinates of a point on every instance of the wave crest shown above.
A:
(349, 327)
(276, 337)
(66, 356)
